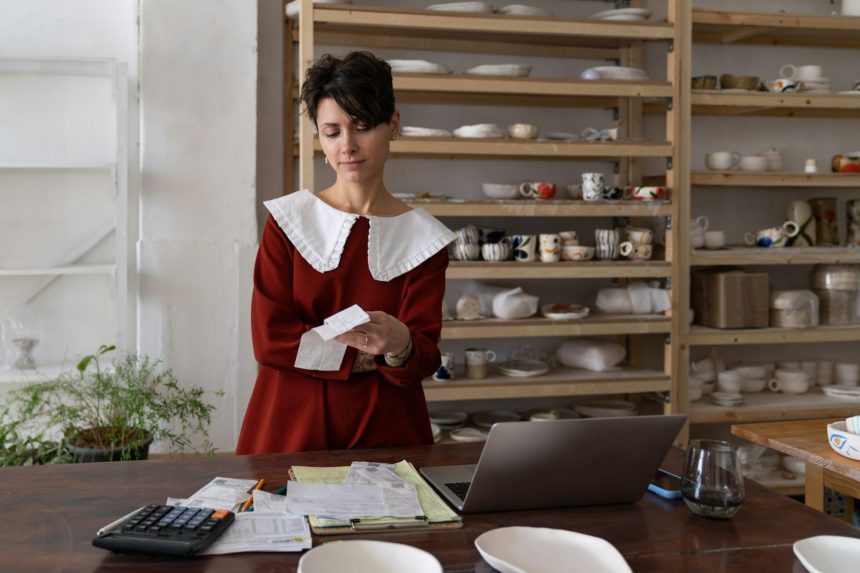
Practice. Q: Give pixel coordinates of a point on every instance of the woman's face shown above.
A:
(356, 153)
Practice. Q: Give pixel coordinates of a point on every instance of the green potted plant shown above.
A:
(116, 412)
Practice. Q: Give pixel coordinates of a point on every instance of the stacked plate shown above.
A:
(480, 130)
(523, 367)
(411, 131)
(468, 435)
(817, 86)
(553, 414)
(623, 14)
(848, 392)
(727, 399)
(523, 10)
(292, 8)
(417, 67)
(448, 420)
(564, 311)
(487, 419)
(621, 73)
(481, 7)
(599, 408)
(512, 70)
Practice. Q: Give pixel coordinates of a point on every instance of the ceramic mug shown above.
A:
(801, 213)
(466, 251)
(729, 382)
(524, 248)
(477, 360)
(787, 386)
(773, 236)
(792, 72)
(636, 252)
(446, 369)
(722, 160)
(715, 239)
(537, 189)
(785, 85)
(496, 251)
(592, 186)
(606, 244)
(753, 163)
(639, 235)
(550, 247)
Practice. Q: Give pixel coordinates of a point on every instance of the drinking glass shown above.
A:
(712, 484)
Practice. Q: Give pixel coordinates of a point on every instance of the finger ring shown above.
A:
(366, 339)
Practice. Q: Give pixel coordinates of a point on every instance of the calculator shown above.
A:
(166, 529)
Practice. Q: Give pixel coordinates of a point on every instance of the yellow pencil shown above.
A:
(247, 504)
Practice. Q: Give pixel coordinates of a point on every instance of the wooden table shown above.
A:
(51, 513)
(807, 440)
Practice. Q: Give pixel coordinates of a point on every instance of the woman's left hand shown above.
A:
(383, 334)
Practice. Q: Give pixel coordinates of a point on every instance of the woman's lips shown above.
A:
(351, 165)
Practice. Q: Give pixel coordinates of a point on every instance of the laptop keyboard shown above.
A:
(459, 488)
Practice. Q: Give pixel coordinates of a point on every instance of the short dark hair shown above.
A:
(360, 83)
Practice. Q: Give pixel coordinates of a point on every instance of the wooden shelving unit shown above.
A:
(769, 406)
(771, 29)
(555, 37)
(557, 382)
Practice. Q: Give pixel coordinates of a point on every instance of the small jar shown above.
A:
(811, 166)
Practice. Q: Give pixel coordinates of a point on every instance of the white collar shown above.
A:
(395, 245)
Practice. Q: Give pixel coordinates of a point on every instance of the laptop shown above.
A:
(558, 463)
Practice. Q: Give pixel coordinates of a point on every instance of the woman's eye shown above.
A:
(362, 128)
(331, 134)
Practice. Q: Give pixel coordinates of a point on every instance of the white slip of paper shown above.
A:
(342, 321)
(261, 531)
(317, 354)
(266, 502)
(372, 472)
(353, 501)
(221, 493)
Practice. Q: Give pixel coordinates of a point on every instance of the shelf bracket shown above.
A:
(670, 46)
(668, 164)
(616, 114)
(670, 104)
(616, 168)
(668, 222)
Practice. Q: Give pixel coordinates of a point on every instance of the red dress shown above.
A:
(293, 409)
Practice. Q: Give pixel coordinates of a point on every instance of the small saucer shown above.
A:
(564, 311)
(487, 419)
(523, 368)
(468, 435)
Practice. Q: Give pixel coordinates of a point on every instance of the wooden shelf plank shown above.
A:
(732, 27)
(716, 102)
(517, 87)
(534, 149)
(64, 270)
(703, 336)
(557, 382)
(774, 179)
(594, 325)
(778, 256)
(543, 208)
(490, 27)
(769, 406)
(560, 270)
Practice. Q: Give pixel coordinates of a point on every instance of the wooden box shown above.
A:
(730, 299)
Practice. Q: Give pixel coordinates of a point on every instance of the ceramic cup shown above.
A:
(568, 238)
(751, 371)
(477, 360)
(647, 193)
(787, 386)
(722, 160)
(494, 252)
(606, 241)
(550, 247)
(753, 384)
(714, 239)
(636, 252)
(847, 373)
(466, 252)
(773, 236)
(785, 85)
(446, 369)
(729, 382)
(574, 190)
(524, 247)
(793, 376)
(639, 236)
(808, 73)
(537, 189)
(577, 253)
(753, 163)
(592, 186)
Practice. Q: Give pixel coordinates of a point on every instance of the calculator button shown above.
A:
(220, 514)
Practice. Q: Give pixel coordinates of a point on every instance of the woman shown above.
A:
(352, 243)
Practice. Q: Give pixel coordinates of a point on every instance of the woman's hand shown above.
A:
(383, 334)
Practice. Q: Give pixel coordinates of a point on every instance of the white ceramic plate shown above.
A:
(467, 435)
(851, 392)
(629, 13)
(443, 419)
(849, 92)
(828, 553)
(544, 550)
(417, 67)
(512, 70)
(523, 367)
(564, 311)
(411, 131)
(564, 136)
(487, 419)
(483, 7)
(480, 130)
(605, 408)
(363, 556)
(523, 10)
(620, 73)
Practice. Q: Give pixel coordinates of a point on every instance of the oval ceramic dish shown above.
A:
(564, 311)
(364, 556)
(523, 368)
(466, 435)
(545, 550)
(828, 553)
(448, 419)
(842, 441)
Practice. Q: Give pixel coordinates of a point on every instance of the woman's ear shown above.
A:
(395, 124)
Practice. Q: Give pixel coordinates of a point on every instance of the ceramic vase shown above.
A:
(801, 213)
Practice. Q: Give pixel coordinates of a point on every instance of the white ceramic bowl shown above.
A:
(794, 465)
(523, 131)
(500, 190)
(364, 556)
(842, 441)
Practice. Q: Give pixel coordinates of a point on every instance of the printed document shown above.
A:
(317, 350)
(261, 531)
(221, 493)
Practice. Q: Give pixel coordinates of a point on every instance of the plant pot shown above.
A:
(84, 454)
